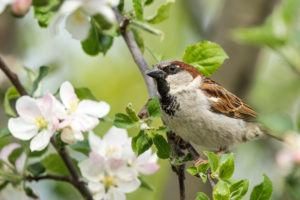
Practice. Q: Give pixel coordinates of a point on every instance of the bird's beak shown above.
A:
(157, 74)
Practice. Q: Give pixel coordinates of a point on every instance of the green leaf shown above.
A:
(141, 143)
(43, 71)
(102, 22)
(138, 9)
(3, 185)
(206, 56)
(123, 121)
(263, 191)
(148, 2)
(121, 5)
(145, 184)
(213, 160)
(192, 170)
(15, 154)
(153, 107)
(85, 93)
(82, 146)
(38, 153)
(227, 168)
(163, 148)
(161, 14)
(36, 169)
(221, 191)
(4, 132)
(10, 96)
(147, 28)
(96, 42)
(201, 196)
(132, 113)
(239, 189)
(54, 164)
(44, 10)
(29, 192)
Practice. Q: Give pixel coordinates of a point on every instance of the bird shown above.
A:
(201, 111)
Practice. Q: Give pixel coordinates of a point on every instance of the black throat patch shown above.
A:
(169, 103)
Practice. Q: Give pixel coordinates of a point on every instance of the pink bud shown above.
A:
(21, 7)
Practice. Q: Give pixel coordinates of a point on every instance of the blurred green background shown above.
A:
(261, 69)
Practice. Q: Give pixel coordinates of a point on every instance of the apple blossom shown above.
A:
(37, 120)
(80, 116)
(19, 7)
(290, 154)
(112, 169)
(75, 15)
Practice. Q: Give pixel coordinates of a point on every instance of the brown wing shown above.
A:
(225, 102)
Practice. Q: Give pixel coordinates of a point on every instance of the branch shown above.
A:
(135, 52)
(12, 77)
(49, 177)
(80, 185)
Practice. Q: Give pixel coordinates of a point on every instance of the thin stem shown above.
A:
(12, 77)
(80, 185)
(292, 66)
(49, 177)
(135, 52)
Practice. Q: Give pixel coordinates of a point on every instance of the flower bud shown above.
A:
(21, 7)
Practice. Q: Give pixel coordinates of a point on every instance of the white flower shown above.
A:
(19, 7)
(80, 116)
(75, 15)
(146, 163)
(37, 120)
(290, 154)
(6, 151)
(107, 182)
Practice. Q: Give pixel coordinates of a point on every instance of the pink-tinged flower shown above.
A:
(6, 151)
(37, 120)
(19, 7)
(81, 116)
(146, 163)
(75, 15)
(290, 154)
(107, 182)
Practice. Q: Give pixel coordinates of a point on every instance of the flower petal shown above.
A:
(97, 188)
(67, 136)
(78, 25)
(93, 108)
(70, 6)
(95, 142)
(20, 163)
(146, 163)
(67, 94)
(21, 129)
(7, 150)
(84, 123)
(116, 136)
(115, 194)
(41, 140)
(128, 186)
(28, 108)
(93, 167)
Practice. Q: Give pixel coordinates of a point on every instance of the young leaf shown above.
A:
(162, 13)
(85, 93)
(163, 148)
(145, 184)
(15, 154)
(192, 170)
(206, 56)
(148, 2)
(221, 191)
(263, 191)
(239, 189)
(131, 113)
(4, 132)
(97, 42)
(213, 160)
(43, 71)
(153, 107)
(82, 147)
(54, 164)
(44, 10)
(141, 143)
(29, 192)
(138, 9)
(201, 196)
(147, 28)
(10, 95)
(36, 168)
(123, 121)
(227, 168)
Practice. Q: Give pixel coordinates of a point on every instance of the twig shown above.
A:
(135, 52)
(80, 185)
(49, 177)
(12, 77)
(61, 151)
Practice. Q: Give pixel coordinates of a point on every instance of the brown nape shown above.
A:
(189, 68)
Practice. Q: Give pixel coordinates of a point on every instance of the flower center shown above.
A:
(111, 150)
(79, 17)
(73, 105)
(41, 123)
(108, 182)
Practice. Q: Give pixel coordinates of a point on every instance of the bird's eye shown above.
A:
(172, 68)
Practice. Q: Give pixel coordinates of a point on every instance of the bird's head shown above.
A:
(173, 74)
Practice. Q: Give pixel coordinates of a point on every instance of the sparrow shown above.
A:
(201, 111)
